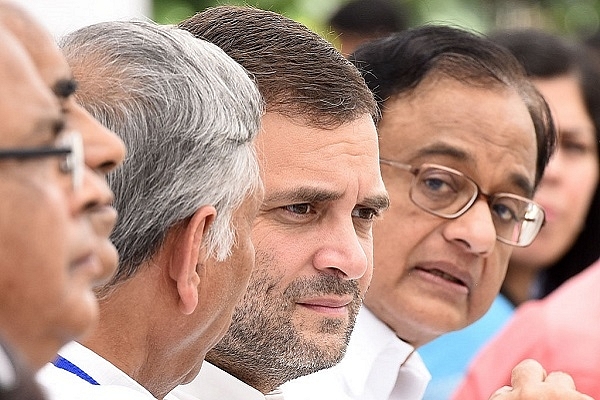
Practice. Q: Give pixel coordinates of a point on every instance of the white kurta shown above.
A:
(377, 366)
(114, 384)
(212, 383)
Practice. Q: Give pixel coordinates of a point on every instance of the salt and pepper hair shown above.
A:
(188, 115)
(299, 74)
(395, 65)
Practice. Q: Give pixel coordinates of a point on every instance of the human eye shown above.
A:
(574, 147)
(437, 183)
(506, 209)
(298, 209)
(365, 213)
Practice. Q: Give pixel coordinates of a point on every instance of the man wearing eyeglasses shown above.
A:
(464, 139)
(56, 215)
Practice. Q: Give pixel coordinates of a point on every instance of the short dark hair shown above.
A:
(398, 63)
(370, 17)
(547, 56)
(298, 73)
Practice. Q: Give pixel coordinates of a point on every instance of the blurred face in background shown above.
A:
(73, 226)
(570, 179)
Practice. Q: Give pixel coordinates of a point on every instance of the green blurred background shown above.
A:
(577, 18)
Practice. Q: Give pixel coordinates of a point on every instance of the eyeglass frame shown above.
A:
(70, 145)
(478, 193)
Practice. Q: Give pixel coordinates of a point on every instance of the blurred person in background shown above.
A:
(44, 309)
(568, 77)
(361, 21)
(56, 208)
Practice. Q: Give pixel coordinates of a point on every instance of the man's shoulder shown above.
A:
(59, 384)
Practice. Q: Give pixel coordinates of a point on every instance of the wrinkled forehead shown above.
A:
(37, 41)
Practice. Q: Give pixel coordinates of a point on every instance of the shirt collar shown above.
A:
(102, 370)
(374, 355)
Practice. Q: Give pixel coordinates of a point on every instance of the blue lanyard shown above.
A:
(63, 363)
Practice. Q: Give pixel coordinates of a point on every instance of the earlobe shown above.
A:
(189, 256)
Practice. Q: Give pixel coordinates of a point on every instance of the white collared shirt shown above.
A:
(212, 383)
(114, 384)
(377, 366)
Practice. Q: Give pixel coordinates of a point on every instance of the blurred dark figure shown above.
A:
(360, 21)
(16, 380)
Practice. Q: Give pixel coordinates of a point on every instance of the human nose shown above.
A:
(341, 252)
(474, 230)
(104, 150)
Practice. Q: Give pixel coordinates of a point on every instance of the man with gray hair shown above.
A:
(186, 195)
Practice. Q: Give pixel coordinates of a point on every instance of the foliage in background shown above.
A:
(571, 17)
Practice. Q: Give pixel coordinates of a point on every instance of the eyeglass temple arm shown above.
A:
(397, 164)
(33, 153)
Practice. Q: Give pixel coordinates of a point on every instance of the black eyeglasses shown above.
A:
(448, 193)
(69, 146)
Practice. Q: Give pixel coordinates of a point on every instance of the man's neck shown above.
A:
(127, 336)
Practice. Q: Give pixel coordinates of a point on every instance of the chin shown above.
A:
(82, 318)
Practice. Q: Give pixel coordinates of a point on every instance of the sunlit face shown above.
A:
(570, 179)
(96, 260)
(230, 277)
(313, 243)
(435, 275)
(233, 274)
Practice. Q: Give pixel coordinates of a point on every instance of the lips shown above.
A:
(87, 262)
(104, 219)
(330, 302)
(330, 306)
(448, 272)
(446, 276)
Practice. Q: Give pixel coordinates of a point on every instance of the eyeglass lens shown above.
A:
(449, 194)
(73, 162)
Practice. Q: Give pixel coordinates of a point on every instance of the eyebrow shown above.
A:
(63, 88)
(304, 194)
(379, 202)
(443, 149)
(307, 194)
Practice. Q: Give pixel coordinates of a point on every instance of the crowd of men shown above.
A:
(217, 190)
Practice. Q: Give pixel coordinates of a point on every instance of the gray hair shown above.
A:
(188, 115)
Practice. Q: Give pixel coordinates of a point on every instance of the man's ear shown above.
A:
(188, 253)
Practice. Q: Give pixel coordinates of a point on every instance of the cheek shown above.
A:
(581, 188)
(246, 263)
(488, 286)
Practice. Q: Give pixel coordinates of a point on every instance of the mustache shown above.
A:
(322, 285)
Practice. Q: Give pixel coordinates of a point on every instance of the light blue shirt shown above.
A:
(449, 356)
